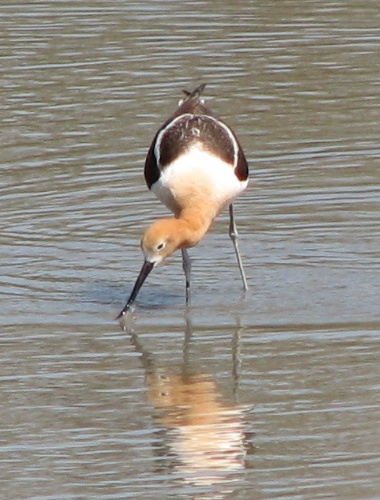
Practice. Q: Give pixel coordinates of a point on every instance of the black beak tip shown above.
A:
(120, 315)
(145, 270)
(124, 311)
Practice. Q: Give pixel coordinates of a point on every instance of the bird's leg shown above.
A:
(186, 265)
(234, 237)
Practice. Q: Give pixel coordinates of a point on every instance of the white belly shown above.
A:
(197, 175)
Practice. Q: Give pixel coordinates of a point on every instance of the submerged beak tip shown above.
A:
(120, 315)
(145, 270)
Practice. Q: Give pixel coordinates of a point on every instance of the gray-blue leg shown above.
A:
(186, 264)
(234, 237)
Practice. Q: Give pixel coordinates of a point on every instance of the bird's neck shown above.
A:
(194, 223)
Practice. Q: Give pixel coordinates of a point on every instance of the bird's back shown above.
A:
(193, 124)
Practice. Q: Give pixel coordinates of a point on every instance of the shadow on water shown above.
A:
(201, 437)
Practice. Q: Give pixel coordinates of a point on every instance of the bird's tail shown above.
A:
(192, 103)
(195, 93)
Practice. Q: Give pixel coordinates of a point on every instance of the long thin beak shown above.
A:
(145, 270)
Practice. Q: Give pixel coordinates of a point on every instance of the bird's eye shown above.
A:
(160, 246)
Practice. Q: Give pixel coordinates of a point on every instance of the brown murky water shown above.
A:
(272, 394)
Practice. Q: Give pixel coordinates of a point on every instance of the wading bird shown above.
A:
(196, 167)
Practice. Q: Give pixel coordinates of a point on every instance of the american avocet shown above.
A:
(196, 167)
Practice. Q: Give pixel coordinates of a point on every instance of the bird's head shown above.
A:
(161, 240)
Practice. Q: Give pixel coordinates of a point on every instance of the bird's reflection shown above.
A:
(206, 435)
(203, 434)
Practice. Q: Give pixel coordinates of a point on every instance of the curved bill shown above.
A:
(145, 270)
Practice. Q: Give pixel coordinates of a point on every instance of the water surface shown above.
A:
(269, 394)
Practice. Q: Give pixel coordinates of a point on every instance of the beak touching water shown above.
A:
(145, 270)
